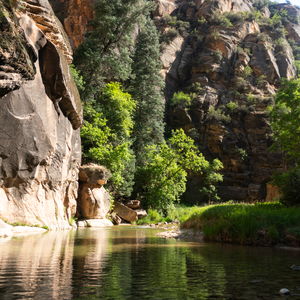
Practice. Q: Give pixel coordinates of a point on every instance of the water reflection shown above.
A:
(130, 263)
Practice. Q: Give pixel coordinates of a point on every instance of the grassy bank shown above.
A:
(263, 224)
(249, 224)
(178, 213)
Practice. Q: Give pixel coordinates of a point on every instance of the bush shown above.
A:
(181, 99)
(231, 106)
(217, 114)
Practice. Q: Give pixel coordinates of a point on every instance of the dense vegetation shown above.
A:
(124, 108)
(118, 73)
(285, 117)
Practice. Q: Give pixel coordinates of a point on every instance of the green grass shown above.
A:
(250, 224)
(177, 213)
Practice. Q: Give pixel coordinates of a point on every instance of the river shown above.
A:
(132, 263)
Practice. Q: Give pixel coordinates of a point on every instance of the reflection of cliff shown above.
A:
(39, 267)
(39, 117)
(49, 266)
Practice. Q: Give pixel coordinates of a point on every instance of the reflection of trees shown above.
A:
(116, 264)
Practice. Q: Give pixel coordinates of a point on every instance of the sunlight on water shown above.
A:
(132, 263)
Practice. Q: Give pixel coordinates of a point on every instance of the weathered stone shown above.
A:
(40, 148)
(239, 64)
(125, 213)
(134, 204)
(93, 201)
(141, 213)
(75, 15)
(99, 223)
(116, 219)
(94, 174)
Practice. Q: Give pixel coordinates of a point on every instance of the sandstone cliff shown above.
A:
(40, 117)
(231, 54)
(75, 15)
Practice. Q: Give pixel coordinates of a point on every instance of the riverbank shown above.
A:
(261, 224)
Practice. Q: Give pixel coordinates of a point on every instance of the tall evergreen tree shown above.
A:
(147, 88)
(105, 55)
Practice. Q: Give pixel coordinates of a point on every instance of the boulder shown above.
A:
(141, 213)
(116, 219)
(93, 201)
(93, 174)
(98, 223)
(134, 204)
(125, 212)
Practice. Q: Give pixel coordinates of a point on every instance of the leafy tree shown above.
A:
(105, 55)
(146, 88)
(285, 119)
(106, 136)
(162, 179)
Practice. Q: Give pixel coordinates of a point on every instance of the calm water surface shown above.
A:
(131, 263)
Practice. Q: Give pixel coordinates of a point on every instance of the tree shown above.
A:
(146, 87)
(162, 179)
(285, 122)
(285, 119)
(105, 55)
(106, 136)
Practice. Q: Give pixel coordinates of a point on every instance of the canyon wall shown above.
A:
(40, 117)
(232, 56)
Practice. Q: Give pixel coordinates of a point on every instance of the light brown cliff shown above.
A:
(40, 116)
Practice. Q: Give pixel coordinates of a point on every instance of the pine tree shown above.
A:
(105, 55)
(146, 88)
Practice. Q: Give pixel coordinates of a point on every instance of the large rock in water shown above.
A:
(40, 116)
(93, 199)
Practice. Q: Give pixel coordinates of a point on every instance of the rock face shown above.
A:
(93, 199)
(232, 59)
(40, 116)
(75, 15)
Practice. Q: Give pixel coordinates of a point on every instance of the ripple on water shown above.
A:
(131, 263)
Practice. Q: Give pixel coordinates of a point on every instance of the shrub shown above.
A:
(217, 114)
(231, 106)
(181, 99)
(169, 36)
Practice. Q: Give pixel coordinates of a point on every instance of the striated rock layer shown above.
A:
(40, 116)
(75, 15)
(231, 56)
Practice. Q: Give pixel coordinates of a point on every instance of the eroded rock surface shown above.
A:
(233, 70)
(93, 199)
(40, 116)
(75, 15)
